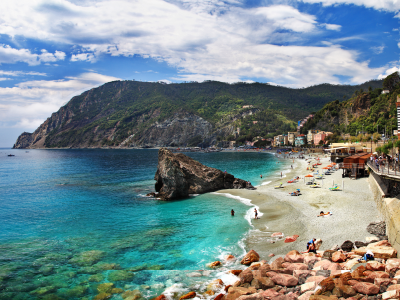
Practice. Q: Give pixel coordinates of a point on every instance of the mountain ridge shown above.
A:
(143, 114)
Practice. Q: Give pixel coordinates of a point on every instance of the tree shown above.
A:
(391, 81)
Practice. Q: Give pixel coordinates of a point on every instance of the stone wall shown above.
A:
(390, 209)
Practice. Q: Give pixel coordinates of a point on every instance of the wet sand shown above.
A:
(353, 208)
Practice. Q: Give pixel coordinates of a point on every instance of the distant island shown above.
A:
(144, 114)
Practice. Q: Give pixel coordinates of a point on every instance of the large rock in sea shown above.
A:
(178, 176)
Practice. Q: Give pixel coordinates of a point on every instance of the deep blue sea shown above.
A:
(73, 219)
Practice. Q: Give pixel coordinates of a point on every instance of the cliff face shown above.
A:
(178, 176)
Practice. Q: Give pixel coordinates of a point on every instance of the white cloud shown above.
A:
(29, 103)
(333, 27)
(378, 49)
(21, 73)
(387, 5)
(84, 57)
(202, 39)
(12, 55)
(388, 72)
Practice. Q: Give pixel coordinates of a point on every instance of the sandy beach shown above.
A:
(352, 208)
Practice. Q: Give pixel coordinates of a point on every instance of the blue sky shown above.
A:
(53, 50)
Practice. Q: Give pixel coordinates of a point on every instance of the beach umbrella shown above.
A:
(334, 164)
(325, 168)
(309, 175)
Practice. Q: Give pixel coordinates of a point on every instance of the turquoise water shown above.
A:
(73, 219)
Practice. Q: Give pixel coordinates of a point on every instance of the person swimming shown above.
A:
(232, 212)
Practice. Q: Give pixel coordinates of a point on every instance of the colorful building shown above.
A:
(300, 140)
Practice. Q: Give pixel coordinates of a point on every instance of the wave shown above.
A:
(245, 201)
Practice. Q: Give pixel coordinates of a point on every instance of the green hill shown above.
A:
(367, 110)
(144, 114)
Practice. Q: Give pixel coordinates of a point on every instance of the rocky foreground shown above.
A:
(330, 274)
(178, 176)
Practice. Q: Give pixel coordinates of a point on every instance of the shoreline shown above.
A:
(353, 209)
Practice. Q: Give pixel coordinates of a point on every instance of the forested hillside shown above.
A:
(145, 114)
(369, 111)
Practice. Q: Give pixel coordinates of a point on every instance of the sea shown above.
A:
(76, 222)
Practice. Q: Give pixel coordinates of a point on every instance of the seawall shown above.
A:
(388, 207)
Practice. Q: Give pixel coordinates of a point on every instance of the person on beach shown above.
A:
(367, 256)
(232, 213)
(311, 242)
(321, 214)
(255, 213)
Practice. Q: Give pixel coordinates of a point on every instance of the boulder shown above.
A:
(334, 267)
(294, 256)
(251, 297)
(250, 257)
(262, 283)
(391, 295)
(264, 269)
(348, 265)
(338, 257)
(246, 276)
(377, 274)
(215, 285)
(214, 264)
(377, 228)
(296, 266)
(316, 279)
(310, 258)
(308, 286)
(255, 265)
(285, 280)
(392, 265)
(327, 285)
(178, 176)
(394, 287)
(383, 281)
(347, 291)
(305, 296)
(375, 266)
(229, 257)
(219, 296)
(236, 272)
(161, 297)
(328, 254)
(380, 250)
(270, 294)
(236, 292)
(277, 263)
(189, 295)
(324, 264)
(347, 246)
(366, 288)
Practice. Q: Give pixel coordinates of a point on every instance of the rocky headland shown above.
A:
(179, 176)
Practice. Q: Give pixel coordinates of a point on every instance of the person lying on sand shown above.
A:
(321, 214)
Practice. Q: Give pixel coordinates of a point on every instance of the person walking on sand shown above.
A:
(232, 213)
(255, 213)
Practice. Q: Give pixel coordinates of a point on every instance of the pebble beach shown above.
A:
(352, 206)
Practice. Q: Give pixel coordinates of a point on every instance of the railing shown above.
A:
(386, 169)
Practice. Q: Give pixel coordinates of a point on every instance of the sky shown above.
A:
(53, 50)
